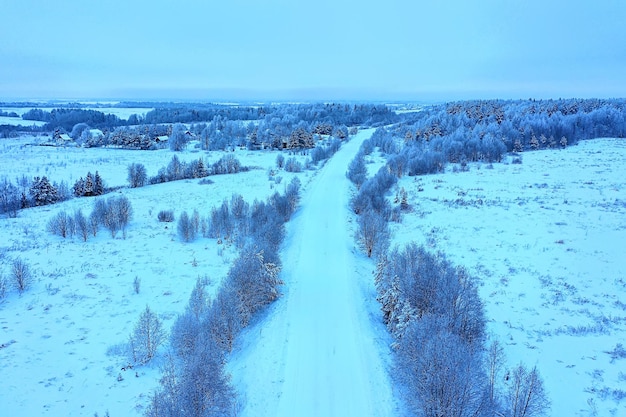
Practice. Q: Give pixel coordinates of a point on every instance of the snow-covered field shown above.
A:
(122, 112)
(547, 239)
(54, 338)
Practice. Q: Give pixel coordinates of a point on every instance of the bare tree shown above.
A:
(373, 233)
(526, 395)
(495, 363)
(4, 286)
(22, 277)
(58, 225)
(82, 224)
(137, 176)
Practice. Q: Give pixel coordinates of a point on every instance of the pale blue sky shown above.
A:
(288, 49)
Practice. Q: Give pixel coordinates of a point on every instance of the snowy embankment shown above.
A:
(321, 350)
(546, 239)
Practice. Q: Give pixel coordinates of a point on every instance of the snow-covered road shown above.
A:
(318, 351)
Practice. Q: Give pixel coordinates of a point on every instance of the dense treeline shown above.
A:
(486, 130)
(67, 118)
(434, 313)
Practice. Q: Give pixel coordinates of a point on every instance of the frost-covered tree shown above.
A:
(114, 214)
(178, 139)
(82, 224)
(443, 372)
(372, 233)
(187, 227)
(255, 281)
(137, 175)
(146, 337)
(220, 222)
(197, 386)
(10, 198)
(175, 169)
(357, 171)
(78, 130)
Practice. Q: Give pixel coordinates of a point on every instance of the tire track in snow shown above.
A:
(315, 353)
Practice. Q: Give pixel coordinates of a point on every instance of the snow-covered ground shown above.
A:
(547, 239)
(122, 112)
(321, 350)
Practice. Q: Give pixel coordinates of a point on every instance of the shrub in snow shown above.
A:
(227, 164)
(413, 279)
(21, 274)
(280, 161)
(146, 337)
(166, 216)
(293, 165)
(137, 284)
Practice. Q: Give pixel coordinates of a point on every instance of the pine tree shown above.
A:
(79, 187)
(98, 186)
(43, 192)
(201, 170)
(88, 188)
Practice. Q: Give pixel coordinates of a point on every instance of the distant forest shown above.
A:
(450, 132)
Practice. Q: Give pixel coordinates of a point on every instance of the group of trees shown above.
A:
(486, 130)
(91, 185)
(113, 213)
(40, 191)
(194, 381)
(30, 193)
(179, 170)
(436, 317)
(239, 222)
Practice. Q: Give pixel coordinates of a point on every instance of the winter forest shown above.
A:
(386, 259)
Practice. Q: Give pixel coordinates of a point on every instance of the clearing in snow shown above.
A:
(318, 352)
